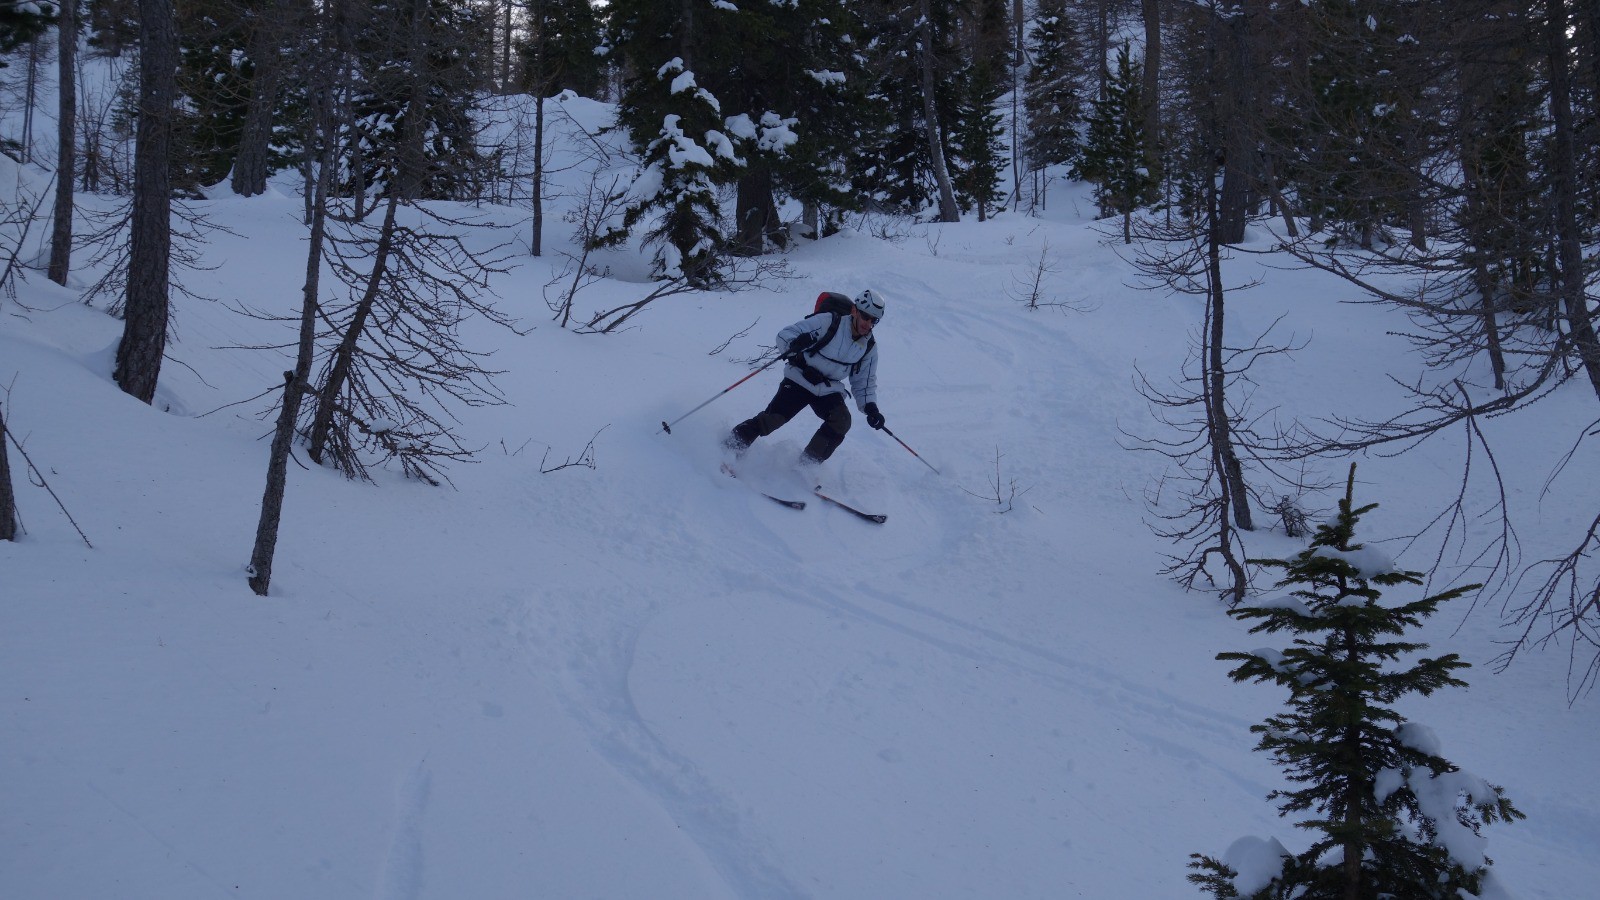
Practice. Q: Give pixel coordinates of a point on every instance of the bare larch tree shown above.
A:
(144, 335)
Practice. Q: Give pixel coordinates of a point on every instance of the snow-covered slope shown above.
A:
(638, 679)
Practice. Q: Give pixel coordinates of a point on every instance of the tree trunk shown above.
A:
(255, 135)
(1239, 147)
(1019, 51)
(1491, 330)
(536, 78)
(295, 383)
(1102, 47)
(1588, 15)
(1357, 791)
(66, 144)
(1564, 186)
(144, 334)
(505, 51)
(8, 499)
(1152, 87)
(30, 94)
(948, 211)
(536, 239)
(344, 355)
(1280, 203)
(755, 212)
(1230, 473)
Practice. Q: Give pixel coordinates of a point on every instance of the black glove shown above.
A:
(874, 418)
(796, 351)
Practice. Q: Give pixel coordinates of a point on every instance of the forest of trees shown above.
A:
(1442, 141)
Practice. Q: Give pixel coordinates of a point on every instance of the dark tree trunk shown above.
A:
(1230, 474)
(1491, 329)
(505, 51)
(8, 499)
(266, 545)
(295, 383)
(541, 86)
(344, 355)
(144, 334)
(1280, 203)
(948, 211)
(66, 144)
(1018, 58)
(1588, 15)
(755, 211)
(1239, 136)
(1152, 86)
(255, 136)
(536, 239)
(1357, 791)
(1564, 186)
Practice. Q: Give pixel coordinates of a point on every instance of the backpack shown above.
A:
(838, 306)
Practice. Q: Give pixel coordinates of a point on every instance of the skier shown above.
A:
(821, 354)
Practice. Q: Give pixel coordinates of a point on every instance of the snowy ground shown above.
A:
(642, 680)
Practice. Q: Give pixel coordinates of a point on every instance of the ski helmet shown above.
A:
(870, 303)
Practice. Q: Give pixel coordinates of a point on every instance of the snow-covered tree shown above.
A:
(753, 95)
(1393, 817)
(683, 160)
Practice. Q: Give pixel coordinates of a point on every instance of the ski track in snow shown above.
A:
(961, 639)
(595, 692)
(401, 878)
(592, 636)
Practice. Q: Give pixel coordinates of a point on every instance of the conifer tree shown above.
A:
(214, 79)
(829, 100)
(1393, 818)
(761, 96)
(398, 45)
(565, 33)
(113, 25)
(897, 168)
(1050, 89)
(1114, 155)
(1359, 134)
(676, 124)
(980, 144)
(22, 22)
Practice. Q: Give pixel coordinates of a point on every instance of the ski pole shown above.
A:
(885, 430)
(667, 426)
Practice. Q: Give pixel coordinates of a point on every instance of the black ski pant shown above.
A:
(786, 403)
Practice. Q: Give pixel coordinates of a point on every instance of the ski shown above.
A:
(792, 504)
(874, 518)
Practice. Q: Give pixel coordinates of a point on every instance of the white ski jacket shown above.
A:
(844, 357)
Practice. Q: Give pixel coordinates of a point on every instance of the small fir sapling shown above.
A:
(1391, 816)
